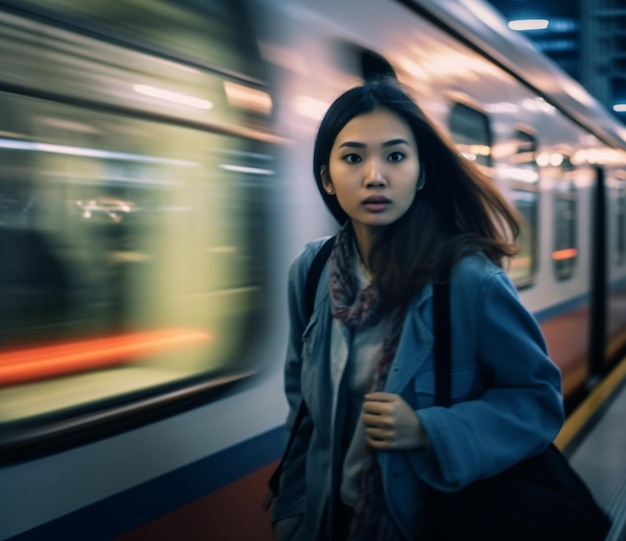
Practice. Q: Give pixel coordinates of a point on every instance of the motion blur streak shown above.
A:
(38, 363)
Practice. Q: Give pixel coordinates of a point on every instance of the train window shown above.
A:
(133, 238)
(620, 225)
(134, 256)
(471, 132)
(524, 177)
(565, 252)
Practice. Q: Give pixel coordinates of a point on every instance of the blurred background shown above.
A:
(134, 200)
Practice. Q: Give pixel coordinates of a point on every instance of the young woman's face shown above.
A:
(374, 169)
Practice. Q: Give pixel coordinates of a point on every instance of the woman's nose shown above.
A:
(374, 174)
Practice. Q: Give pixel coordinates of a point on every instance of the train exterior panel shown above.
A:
(155, 186)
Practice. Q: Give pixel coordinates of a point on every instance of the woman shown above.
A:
(413, 212)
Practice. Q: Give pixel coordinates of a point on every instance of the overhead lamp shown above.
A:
(529, 24)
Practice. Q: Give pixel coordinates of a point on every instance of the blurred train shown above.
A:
(155, 184)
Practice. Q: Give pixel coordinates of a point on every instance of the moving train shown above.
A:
(155, 184)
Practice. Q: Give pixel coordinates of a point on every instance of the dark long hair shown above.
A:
(458, 211)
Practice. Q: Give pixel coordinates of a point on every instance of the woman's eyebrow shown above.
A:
(394, 142)
(352, 144)
(390, 143)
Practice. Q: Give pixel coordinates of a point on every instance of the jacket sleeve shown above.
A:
(290, 500)
(520, 410)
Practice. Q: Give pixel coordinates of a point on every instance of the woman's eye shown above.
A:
(352, 158)
(396, 156)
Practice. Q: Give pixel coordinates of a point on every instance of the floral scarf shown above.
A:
(358, 309)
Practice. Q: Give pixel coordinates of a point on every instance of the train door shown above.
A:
(611, 281)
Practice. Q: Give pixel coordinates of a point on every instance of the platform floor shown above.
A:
(600, 458)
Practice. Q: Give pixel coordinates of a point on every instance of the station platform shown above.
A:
(594, 440)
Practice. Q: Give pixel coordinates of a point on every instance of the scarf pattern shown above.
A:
(358, 309)
(355, 308)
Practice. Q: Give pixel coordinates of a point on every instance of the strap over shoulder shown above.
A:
(312, 281)
(315, 271)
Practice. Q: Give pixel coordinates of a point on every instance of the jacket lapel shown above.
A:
(416, 342)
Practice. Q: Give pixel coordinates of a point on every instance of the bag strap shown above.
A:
(443, 344)
(315, 271)
(312, 281)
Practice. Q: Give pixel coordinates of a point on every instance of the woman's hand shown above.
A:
(391, 424)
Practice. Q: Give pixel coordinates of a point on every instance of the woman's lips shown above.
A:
(376, 203)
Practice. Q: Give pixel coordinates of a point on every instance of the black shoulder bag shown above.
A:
(312, 280)
(539, 499)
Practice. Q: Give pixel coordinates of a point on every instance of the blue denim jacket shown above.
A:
(506, 394)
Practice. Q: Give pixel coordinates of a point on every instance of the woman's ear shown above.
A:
(421, 179)
(326, 182)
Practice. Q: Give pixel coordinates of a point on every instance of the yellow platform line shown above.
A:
(581, 415)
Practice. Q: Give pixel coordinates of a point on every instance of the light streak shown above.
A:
(25, 365)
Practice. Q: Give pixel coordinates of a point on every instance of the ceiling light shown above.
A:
(529, 24)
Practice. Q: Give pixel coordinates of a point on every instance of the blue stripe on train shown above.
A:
(116, 515)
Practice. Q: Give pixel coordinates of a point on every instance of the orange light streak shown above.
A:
(567, 253)
(51, 361)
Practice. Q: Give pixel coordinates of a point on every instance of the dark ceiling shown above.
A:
(531, 9)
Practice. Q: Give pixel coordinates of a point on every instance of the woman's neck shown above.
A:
(364, 240)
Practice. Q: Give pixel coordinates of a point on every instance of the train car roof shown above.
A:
(480, 26)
